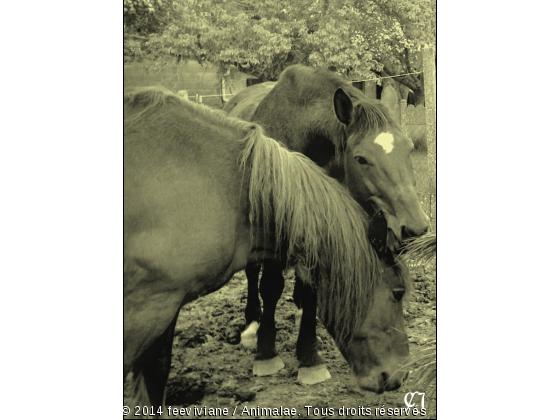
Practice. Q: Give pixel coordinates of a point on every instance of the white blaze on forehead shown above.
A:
(385, 140)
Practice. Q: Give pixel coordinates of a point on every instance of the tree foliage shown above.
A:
(262, 37)
(142, 18)
(145, 17)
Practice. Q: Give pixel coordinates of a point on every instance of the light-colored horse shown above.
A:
(205, 194)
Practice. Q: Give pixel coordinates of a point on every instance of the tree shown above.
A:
(410, 25)
(142, 18)
(262, 37)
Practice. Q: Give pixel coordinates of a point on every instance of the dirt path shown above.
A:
(211, 372)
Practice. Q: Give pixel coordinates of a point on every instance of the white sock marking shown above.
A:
(251, 329)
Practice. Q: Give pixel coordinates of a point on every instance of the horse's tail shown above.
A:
(318, 224)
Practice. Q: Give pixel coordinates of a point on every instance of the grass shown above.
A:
(423, 251)
(424, 363)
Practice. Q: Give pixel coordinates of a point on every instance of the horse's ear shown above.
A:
(343, 107)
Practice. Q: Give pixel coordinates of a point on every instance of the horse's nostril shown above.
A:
(409, 233)
(406, 233)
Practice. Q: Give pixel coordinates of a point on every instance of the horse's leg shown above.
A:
(150, 313)
(156, 368)
(312, 368)
(151, 371)
(253, 312)
(298, 289)
(267, 361)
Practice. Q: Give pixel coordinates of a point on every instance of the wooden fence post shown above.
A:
(429, 63)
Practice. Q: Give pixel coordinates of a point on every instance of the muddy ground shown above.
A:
(212, 372)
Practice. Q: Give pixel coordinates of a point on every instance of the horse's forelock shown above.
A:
(369, 117)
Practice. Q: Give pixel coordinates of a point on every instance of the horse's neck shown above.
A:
(336, 170)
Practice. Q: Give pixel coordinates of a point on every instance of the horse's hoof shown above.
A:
(249, 336)
(313, 375)
(267, 367)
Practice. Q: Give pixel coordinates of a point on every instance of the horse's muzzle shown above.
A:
(407, 233)
(382, 383)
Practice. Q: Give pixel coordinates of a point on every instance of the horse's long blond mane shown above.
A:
(323, 230)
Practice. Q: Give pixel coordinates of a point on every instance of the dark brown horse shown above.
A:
(205, 194)
(319, 114)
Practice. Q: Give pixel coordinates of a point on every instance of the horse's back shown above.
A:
(244, 104)
(299, 108)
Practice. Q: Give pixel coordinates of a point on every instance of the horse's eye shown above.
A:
(361, 160)
(398, 295)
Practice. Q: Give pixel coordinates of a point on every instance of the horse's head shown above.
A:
(379, 349)
(378, 165)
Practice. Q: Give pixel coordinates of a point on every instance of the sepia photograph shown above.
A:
(279, 193)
